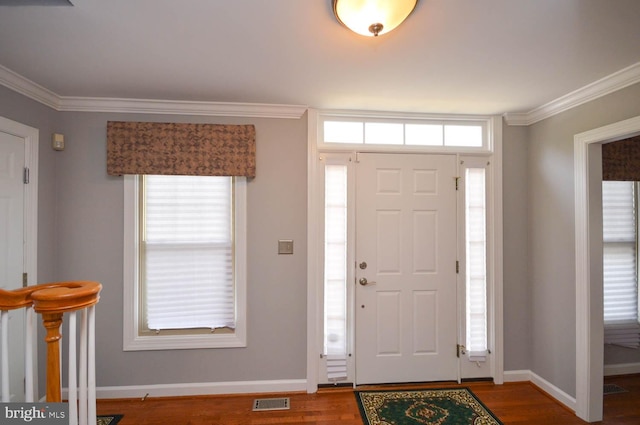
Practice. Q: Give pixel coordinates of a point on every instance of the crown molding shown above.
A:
(14, 81)
(28, 88)
(176, 107)
(602, 87)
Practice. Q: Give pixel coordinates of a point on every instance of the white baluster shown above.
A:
(82, 410)
(73, 384)
(29, 350)
(4, 318)
(92, 366)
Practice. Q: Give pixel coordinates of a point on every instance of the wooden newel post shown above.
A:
(52, 301)
(52, 323)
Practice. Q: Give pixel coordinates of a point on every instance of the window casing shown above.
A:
(162, 249)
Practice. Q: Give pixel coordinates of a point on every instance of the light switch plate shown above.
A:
(285, 246)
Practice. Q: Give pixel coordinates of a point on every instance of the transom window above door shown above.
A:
(420, 134)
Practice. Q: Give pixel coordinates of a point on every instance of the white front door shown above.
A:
(405, 268)
(12, 161)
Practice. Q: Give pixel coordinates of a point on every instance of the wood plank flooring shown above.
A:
(513, 403)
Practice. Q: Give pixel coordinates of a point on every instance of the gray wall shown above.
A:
(90, 238)
(517, 330)
(551, 230)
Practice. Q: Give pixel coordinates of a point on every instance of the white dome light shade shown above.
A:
(372, 17)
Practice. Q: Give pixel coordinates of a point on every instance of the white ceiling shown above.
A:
(450, 56)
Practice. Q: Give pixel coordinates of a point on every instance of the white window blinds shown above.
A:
(476, 263)
(187, 252)
(619, 235)
(335, 271)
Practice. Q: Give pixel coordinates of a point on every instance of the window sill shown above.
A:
(183, 342)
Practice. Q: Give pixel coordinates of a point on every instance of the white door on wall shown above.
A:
(406, 268)
(12, 161)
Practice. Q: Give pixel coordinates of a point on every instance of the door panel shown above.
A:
(425, 305)
(406, 233)
(388, 322)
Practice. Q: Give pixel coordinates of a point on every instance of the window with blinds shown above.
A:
(620, 259)
(476, 263)
(184, 262)
(186, 252)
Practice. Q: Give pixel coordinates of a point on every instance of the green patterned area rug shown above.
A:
(450, 406)
(108, 419)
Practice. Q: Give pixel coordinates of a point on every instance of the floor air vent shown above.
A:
(262, 404)
(613, 389)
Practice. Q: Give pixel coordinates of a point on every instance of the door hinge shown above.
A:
(457, 266)
(25, 176)
(25, 280)
(457, 180)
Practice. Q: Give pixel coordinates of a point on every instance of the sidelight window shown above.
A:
(476, 261)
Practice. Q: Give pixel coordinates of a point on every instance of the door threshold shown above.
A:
(404, 384)
(336, 385)
(489, 379)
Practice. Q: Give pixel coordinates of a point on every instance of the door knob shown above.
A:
(364, 282)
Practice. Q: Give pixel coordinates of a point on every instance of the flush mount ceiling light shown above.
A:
(372, 17)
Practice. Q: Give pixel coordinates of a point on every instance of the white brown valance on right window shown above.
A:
(621, 160)
(180, 149)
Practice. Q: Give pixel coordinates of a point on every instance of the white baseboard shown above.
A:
(621, 369)
(543, 384)
(554, 391)
(517, 376)
(199, 388)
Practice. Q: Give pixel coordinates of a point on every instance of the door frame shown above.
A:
(588, 224)
(315, 229)
(30, 136)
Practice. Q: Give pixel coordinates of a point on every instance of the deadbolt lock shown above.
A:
(363, 265)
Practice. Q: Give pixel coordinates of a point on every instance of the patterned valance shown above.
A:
(621, 160)
(181, 149)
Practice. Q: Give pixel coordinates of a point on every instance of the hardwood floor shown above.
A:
(512, 403)
(623, 408)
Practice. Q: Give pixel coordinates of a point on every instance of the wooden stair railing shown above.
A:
(52, 300)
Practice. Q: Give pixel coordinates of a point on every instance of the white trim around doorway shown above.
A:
(589, 322)
(314, 256)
